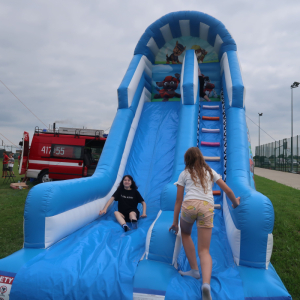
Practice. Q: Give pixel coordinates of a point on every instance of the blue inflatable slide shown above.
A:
(70, 252)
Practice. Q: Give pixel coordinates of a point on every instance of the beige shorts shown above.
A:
(198, 210)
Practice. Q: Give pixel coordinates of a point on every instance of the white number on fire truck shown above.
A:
(60, 151)
(46, 150)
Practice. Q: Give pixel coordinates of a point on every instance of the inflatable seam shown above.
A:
(269, 249)
(153, 46)
(185, 27)
(177, 247)
(166, 32)
(203, 31)
(149, 235)
(233, 234)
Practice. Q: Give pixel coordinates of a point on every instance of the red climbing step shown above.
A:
(210, 144)
(210, 118)
(216, 193)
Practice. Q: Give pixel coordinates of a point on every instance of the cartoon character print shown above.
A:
(200, 53)
(209, 88)
(169, 86)
(251, 165)
(177, 51)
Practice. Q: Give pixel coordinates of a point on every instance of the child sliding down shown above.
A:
(128, 199)
(198, 205)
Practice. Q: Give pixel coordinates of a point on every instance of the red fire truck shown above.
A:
(62, 153)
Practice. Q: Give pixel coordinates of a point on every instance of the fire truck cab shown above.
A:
(64, 153)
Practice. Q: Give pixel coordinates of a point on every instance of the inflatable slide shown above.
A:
(71, 253)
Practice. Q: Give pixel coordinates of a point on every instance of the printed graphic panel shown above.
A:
(173, 51)
(166, 83)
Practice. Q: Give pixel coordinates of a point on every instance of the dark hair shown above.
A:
(195, 164)
(133, 184)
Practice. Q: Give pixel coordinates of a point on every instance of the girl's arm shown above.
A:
(144, 210)
(235, 201)
(178, 203)
(109, 202)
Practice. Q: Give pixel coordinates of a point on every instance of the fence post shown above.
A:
(297, 153)
(279, 158)
(275, 156)
(263, 156)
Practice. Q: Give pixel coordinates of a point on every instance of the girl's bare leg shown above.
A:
(188, 245)
(204, 238)
(120, 218)
(133, 219)
(132, 216)
(189, 248)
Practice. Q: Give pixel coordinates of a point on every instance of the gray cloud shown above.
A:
(65, 60)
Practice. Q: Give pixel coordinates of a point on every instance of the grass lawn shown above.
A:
(286, 202)
(286, 251)
(11, 214)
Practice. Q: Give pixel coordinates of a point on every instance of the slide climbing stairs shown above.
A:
(224, 273)
(210, 139)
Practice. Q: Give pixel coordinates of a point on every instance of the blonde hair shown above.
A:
(197, 167)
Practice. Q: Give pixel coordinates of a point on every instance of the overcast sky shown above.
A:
(66, 59)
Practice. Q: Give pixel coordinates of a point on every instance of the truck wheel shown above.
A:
(44, 176)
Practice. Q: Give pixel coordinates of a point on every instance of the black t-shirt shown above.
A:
(128, 200)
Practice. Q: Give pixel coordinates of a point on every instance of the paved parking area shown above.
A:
(289, 179)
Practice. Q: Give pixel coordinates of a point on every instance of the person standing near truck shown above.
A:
(5, 164)
(11, 163)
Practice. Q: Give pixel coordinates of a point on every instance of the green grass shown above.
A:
(286, 202)
(286, 251)
(11, 214)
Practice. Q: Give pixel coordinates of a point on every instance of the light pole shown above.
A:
(293, 86)
(259, 115)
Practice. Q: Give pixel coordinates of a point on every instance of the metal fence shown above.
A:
(278, 155)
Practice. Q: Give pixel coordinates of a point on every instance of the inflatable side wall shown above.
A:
(250, 233)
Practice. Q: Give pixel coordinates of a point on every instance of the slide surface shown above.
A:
(71, 253)
(104, 256)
